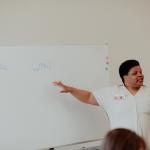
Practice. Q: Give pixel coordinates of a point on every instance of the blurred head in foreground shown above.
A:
(123, 139)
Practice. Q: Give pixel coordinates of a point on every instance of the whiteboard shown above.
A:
(33, 113)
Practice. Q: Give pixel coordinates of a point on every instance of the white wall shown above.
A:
(123, 24)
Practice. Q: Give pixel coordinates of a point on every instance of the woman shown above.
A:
(127, 105)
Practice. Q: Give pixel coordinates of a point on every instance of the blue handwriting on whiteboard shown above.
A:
(3, 67)
(41, 67)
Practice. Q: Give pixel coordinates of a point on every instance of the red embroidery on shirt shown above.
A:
(119, 97)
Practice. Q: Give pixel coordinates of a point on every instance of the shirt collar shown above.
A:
(125, 91)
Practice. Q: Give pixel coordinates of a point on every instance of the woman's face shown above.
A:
(134, 78)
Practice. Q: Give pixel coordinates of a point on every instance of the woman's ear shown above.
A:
(125, 77)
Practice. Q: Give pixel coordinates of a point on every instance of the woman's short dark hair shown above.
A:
(126, 66)
(123, 139)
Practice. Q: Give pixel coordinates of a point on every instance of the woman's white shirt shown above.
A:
(125, 110)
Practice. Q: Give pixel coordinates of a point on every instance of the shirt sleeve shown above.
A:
(103, 96)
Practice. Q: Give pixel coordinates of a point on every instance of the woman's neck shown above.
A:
(132, 90)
